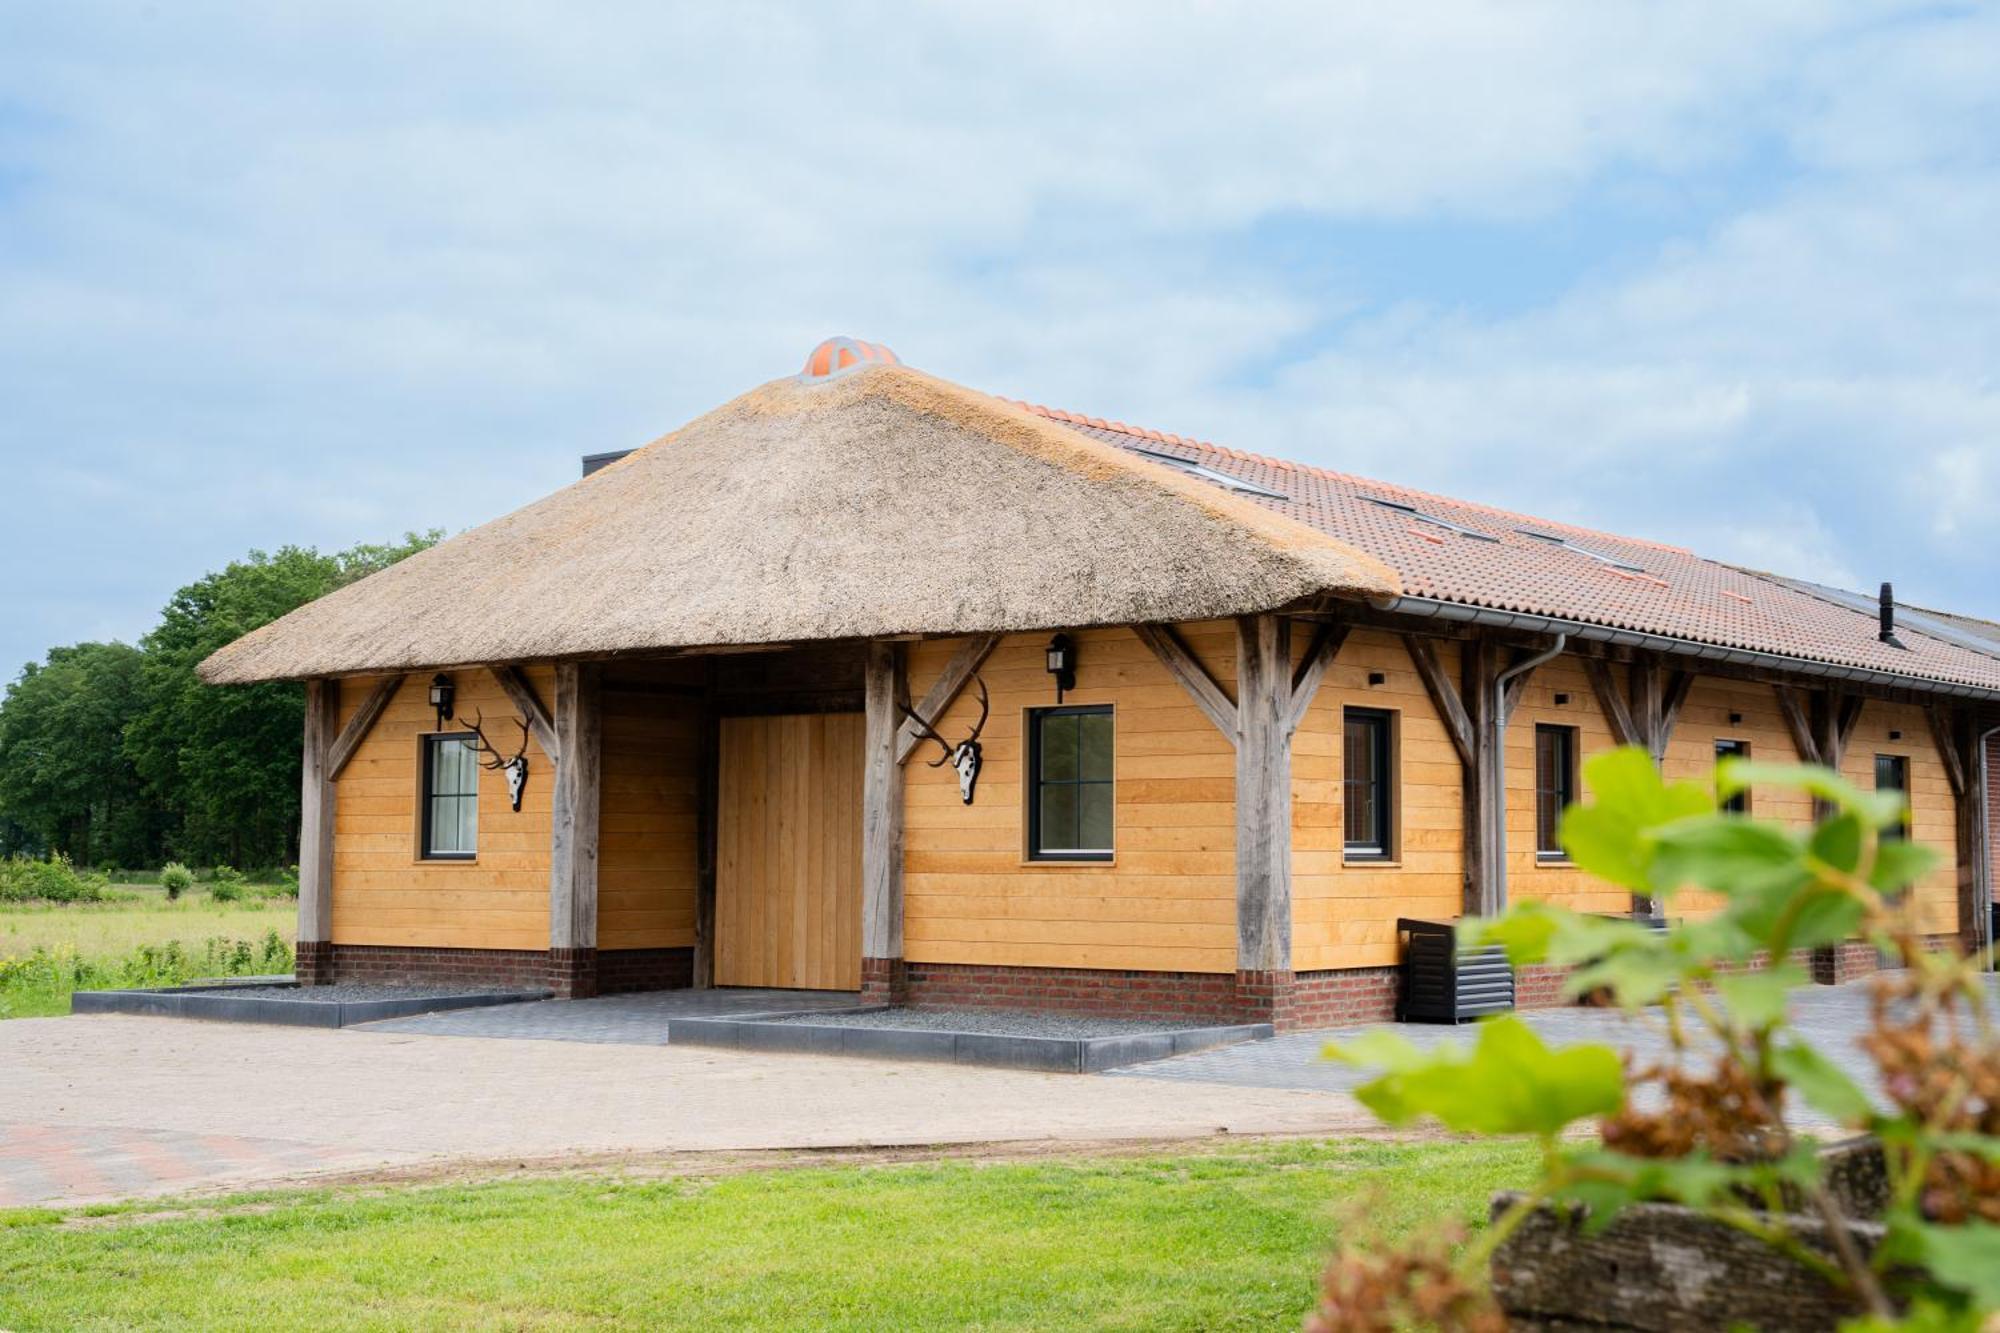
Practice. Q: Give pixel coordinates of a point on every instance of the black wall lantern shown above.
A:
(1062, 664)
(442, 691)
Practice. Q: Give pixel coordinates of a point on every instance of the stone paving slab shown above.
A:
(637, 1019)
(41, 1164)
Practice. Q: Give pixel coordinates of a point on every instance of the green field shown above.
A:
(49, 949)
(1224, 1240)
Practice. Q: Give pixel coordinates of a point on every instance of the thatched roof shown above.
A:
(881, 501)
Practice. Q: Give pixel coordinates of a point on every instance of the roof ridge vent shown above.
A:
(837, 356)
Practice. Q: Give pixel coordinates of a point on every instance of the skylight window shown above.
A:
(1431, 519)
(1222, 479)
(1568, 545)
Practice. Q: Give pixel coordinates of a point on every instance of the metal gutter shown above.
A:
(1429, 608)
(1498, 705)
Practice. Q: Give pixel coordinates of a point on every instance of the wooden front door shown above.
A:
(788, 852)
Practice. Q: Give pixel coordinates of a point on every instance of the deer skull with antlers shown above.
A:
(963, 756)
(515, 766)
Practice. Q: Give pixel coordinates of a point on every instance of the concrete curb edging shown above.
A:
(209, 1000)
(1053, 1055)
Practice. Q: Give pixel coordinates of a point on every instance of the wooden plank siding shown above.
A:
(648, 844)
(1933, 811)
(1345, 915)
(383, 892)
(1168, 900)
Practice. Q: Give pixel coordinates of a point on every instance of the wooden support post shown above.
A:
(520, 691)
(957, 672)
(708, 806)
(357, 728)
(1324, 647)
(573, 831)
(1955, 733)
(1263, 795)
(316, 806)
(1485, 782)
(1187, 671)
(883, 692)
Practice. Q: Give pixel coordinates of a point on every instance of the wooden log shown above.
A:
(574, 799)
(1679, 683)
(316, 801)
(1944, 729)
(883, 691)
(953, 679)
(357, 728)
(1484, 789)
(1617, 713)
(1200, 686)
(1444, 696)
(708, 804)
(1792, 707)
(1327, 638)
(1263, 794)
(521, 691)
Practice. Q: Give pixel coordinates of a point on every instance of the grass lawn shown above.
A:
(1232, 1239)
(49, 949)
(119, 927)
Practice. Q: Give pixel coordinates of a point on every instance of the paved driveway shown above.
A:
(109, 1106)
(639, 1019)
(1835, 1016)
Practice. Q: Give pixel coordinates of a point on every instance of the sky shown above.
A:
(1721, 275)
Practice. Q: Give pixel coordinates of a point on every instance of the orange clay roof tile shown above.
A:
(1676, 593)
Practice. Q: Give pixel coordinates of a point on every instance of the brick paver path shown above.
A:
(639, 1019)
(40, 1163)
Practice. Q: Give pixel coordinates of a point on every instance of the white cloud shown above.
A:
(317, 275)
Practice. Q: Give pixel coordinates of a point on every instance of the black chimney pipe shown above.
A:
(1888, 617)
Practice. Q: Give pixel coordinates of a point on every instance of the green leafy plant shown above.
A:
(1711, 1128)
(52, 880)
(225, 885)
(176, 879)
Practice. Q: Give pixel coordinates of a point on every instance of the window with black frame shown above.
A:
(1739, 804)
(1555, 786)
(1368, 807)
(1892, 773)
(451, 798)
(1070, 768)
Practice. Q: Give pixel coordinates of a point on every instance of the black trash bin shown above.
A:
(1441, 987)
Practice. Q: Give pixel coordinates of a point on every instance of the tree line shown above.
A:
(115, 754)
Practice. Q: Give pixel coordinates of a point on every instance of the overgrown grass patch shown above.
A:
(1225, 1240)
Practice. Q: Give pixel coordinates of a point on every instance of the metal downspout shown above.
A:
(1499, 706)
(1983, 925)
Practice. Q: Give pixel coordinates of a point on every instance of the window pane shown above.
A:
(1365, 806)
(453, 799)
(1059, 818)
(1094, 748)
(1094, 816)
(1059, 748)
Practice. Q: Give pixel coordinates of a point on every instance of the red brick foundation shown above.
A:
(1286, 1000)
(885, 981)
(570, 973)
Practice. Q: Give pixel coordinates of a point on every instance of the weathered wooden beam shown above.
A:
(1263, 794)
(1321, 650)
(708, 808)
(357, 728)
(1843, 710)
(946, 688)
(1617, 713)
(883, 692)
(520, 690)
(316, 799)
(1944, 734)
(575, 797)
(1679, 683)
(1792, 707)
(1484, 784)
(1193, 677)
(1444, 696)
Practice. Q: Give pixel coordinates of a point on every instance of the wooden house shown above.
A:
(865, 680)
